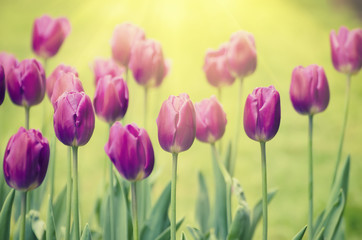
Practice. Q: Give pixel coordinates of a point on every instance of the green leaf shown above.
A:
(334, 217)
(86, 235)
(34, 227)
(50, 229)
(319, 236)
(240, 226)
(143, 189)
(183, 236)
(318, 222)
(340, 231)
(228, 157)
(195, 233)
(59, 211)
(202, 205)
(300, 234)
(4, 188)
(341, 182)
(5, 216)
(165, 235)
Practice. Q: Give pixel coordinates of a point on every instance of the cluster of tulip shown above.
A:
(179, 122)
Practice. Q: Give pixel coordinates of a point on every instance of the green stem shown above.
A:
(111, 214)
(134, 210)
(52, 165)
(219, 91)
(310, 182)
(127, 74)
(173, 196)
(264, 191)
(145, 108)
(23, 213)
(75, 193)
(346, 109)
(27, 115)
(69, 194)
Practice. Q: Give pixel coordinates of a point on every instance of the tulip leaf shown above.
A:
(86, 235)
(202, 205)
(5, 216)
(340, 231)
(165, 235)
(228, 157)
(195, 233)
(4, 188)
(300, 234)
(341, 182)
(240, 226)
(50, 226)
(34, 227)
(143, 189)
(59, 211)
(183, 236)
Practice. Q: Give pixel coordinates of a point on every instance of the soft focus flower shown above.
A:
(176, 124)
(26, 83)
(130, 149)
(262, 114)
(241, 54)
(210, 120)
(2, 85)
(111, 98)
(103, 67)
(125, 35)
(309, 91)
(346, 47)
(56, 74)
(26, 159)
(148, 66)
(49, 34)
(73, 118)
(8, 61)
(65, 83)
(216, 67)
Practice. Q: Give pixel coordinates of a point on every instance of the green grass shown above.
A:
(287, 34)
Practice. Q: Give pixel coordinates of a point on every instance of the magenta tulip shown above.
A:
(103, 67)
(56, 74)
(8, 61)
(66, 83)
(2, 85)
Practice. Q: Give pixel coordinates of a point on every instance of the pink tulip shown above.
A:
(8, 61)
(56, 74)
(103, 67)
(67, 82)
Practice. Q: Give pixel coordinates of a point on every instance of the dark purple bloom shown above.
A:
(26, 159)
(2, 85)
(56, 74)
(130, 149)
(103, 67)
(262, 114)
(65, 83)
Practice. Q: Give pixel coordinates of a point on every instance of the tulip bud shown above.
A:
(56, 74)
(2, 85)
(241, 54)
(124, 37)
(26, 159)
(147, 63)
(49, 34)
(176, 124)
(346, 50)
(309, 91)
(103, 67)
(8, 61)
(73, 118)
(130, 150)
(216, 68)
(26, 83)
(210, 120)
(65, 83)
(262, 114)
(111, 98)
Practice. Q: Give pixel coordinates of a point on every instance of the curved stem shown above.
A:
(310, 183)
(69, 194)
(145, 108)
(264, 191)
(75, 193)
(134, 210)
(173, 196)
(23, 213)
(27, 115)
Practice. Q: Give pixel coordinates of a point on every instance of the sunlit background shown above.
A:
(287, 34)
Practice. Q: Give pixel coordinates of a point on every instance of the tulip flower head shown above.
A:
(26, 159)
(8, 61)
(176, 124)
(309, 90)
(49, 34)
(130, 150)
(65, 83)
(73, 118)
(262, 114)
(346, 48)
(2, 85)
(216, 67)
(56, 74)
(210, 120)
(111, 98)
(103, 67)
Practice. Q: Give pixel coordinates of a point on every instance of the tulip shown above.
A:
(2, 85)
(241, 54)
(111, 98)
(65, 83)
(309, 91)
(210, 120)
(124, 37)
(73, 118)
(346, 48)
(49, 34)
(216, 67)
(8, 61)
(103, 67)
(56, 74)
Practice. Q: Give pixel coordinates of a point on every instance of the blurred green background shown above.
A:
(287, 34)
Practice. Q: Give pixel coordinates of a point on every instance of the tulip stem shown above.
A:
(219, 91)
(111, 194)
(69, 194)
(173, 196)
(145, 108)
(310, 183)
(346, 109)
(264, 191)
(27, 115)
(127, 74)
(52, 165)
(75, 193)
(23, 213)
(134, 210)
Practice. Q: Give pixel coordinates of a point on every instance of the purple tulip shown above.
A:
(216, 67)
(241, 54)
(125, 35)
(309, 91)
(49, 34)
(26, 159)
(56, 74)
(8, 61)
(176, 124)
(210, 120)
(130, 150)
(26, 83)
(262, 114)
(346, 50)
(2, 85)
(148, 66)
(103, 67)
(73, 118)
(65, 83)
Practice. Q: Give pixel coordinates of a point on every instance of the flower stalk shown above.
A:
(173, 196)
(310, 182)
(264, 190)
(75, 193)
(134, 210)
